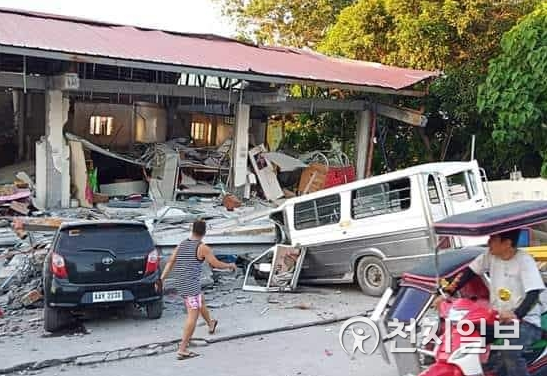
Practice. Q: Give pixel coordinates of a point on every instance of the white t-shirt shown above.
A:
(510, 281)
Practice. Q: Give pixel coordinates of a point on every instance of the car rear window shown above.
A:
(117, 238)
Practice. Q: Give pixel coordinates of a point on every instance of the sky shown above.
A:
(195, 16)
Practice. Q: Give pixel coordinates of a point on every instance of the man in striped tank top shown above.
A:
(186, 262)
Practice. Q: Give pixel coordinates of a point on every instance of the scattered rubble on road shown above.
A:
(237, 225)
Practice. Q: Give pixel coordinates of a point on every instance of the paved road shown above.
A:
(312, 351)
(244, 311)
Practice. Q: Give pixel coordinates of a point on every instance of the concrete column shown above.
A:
(240, 148)
(19, 121)
(362, 141)
(53, 184)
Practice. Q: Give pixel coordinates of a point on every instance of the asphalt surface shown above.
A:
(313, 351)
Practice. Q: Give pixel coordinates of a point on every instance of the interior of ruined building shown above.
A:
(119, 122)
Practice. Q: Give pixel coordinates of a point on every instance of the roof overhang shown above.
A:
(72, 39)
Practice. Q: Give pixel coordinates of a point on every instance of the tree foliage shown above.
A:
(298, 23)
(424, 34)
(458, 37)
(515, 91)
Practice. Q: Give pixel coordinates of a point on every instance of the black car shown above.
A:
(100, 264)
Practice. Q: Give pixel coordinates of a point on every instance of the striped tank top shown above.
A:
(187, 268)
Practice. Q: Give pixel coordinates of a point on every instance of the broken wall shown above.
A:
(122, 133)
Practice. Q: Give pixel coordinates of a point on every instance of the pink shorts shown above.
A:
(193, 301)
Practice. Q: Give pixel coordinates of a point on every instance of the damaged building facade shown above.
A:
(100, 110)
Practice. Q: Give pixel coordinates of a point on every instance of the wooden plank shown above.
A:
(406, 115)
(78, 173)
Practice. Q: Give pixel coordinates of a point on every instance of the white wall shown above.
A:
(504, 191)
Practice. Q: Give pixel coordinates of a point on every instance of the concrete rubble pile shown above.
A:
(21, 266)
(237, 225)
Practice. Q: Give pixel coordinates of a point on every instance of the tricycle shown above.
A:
(439, 347)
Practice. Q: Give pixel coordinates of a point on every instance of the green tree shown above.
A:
(298, 23)
(458, 37)
(514, 95)
(423, 34)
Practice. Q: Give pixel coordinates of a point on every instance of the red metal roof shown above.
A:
(75, 36)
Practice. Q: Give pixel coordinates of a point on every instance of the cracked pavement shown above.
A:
(105, 339)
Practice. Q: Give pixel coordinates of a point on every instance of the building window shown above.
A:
(315, 213)
(101, 125)
(383, 198)
(202, 133)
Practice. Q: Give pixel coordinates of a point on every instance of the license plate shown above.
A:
(107, 296)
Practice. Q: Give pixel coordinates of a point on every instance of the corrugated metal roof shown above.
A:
(75, 36)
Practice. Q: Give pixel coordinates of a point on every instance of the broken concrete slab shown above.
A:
(15, 263)
(20, 207)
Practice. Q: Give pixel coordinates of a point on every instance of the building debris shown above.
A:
(230, 202)
(265, 173)
(284, 162)
(31, 297)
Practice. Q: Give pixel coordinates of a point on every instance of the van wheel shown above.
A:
(154, 310)
(55, 319)
(373, 276)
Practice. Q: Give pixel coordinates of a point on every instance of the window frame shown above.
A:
(458, 197)
(431, 179)
(388, 207)
(337, 204)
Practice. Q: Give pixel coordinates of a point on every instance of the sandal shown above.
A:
(188, 355)
(212, 331)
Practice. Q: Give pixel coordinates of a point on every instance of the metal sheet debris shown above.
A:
(284, 161)
(91, 146)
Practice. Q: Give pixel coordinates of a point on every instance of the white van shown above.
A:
(372, 230)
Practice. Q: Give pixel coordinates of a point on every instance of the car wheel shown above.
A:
(55, 319)
(154, 310)
(373, 276)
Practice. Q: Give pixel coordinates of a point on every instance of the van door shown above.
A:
(436, 198)
(466, 192)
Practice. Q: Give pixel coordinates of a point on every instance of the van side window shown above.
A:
(432, 191)
(457, 187)
(384, 198)
(315, 213)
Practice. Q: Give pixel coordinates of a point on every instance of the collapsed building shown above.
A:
(143, 96)
(168, 127)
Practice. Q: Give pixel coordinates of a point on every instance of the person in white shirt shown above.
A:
(515, 288)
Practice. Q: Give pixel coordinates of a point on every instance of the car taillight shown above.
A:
(58, 267)
(152, 262)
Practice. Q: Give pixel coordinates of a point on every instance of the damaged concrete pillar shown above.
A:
(240, 149)
(53, 155)
(362, 142)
